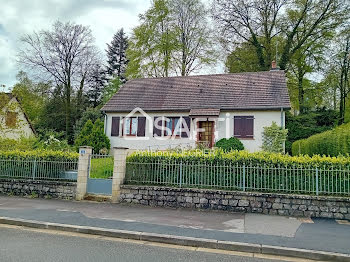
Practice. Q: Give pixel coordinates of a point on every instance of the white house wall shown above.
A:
(223, 129)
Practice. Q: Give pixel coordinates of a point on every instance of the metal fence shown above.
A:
(101, 166)
(243, 177)
(38, 169)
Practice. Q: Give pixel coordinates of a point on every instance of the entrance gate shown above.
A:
(100, 174)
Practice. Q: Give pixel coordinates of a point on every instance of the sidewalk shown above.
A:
(316, 234)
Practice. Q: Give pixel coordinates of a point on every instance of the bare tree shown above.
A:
(65, 55)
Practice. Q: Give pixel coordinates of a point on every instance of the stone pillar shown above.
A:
(119, 168)
(83, 171)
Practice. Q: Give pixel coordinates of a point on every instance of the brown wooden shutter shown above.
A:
(141, 126)
(188, 123)
(157, 131)
(244, 126)
(115, 126)
(237, 127)
(249, 127)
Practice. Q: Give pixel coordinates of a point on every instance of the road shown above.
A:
(23, 244)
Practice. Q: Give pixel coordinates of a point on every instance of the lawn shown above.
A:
(101, 167)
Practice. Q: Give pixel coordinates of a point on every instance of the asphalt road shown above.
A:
(18, 244)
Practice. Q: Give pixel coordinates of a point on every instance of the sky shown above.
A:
(18, 17)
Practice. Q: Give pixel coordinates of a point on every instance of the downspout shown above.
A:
(282, 126)
(282, 122)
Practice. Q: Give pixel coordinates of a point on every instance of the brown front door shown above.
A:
(207, 134)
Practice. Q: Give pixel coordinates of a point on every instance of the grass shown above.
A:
(101, 167)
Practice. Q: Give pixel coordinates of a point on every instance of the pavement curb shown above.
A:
(182, 240)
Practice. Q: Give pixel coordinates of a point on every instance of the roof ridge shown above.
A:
(201, 75)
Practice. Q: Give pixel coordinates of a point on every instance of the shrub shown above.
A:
(332, 143)
(221, 157)
(39, 154)
(306, 125)
(230, 144)
(21, 144)
(93, 135)
(274, 138)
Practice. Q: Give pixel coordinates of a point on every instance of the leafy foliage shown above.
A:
(332, 143)
(230, 144)
(274, 138)
(109, 90)
(49, 155)
(93, 135)
(221, 157)
(306, 125)
(90, 114)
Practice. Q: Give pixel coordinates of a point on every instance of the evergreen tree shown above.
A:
(116, 54)
(96, 84)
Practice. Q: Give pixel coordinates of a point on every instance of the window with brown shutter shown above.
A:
(115, 126)
(243, 127)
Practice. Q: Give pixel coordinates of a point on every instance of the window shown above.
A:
(130, 126)
(135, 126)
(11, 119)
(172, 126)
(243, 127)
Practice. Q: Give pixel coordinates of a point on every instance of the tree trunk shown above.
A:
(301, 92)
(68, 113)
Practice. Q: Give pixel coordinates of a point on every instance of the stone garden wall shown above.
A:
(49, 189)
(274, 204)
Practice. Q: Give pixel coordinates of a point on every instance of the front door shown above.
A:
(207, 134)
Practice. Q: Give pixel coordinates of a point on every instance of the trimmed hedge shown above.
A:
(221, 157)
(48, 155)
(331, 143)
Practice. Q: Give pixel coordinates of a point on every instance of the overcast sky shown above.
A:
(18, 17)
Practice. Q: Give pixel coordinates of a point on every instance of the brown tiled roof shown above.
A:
(246, 91)
(205, 112)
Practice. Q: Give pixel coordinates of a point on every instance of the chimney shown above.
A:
(274, 65)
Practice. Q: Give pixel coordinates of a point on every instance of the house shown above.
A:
(14, 122)
(161, 113)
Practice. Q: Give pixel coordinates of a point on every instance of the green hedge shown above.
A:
(47, 155)
(331, 143)
(221, 157)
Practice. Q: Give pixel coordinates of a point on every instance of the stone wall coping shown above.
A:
(237, 193)
(45, 182)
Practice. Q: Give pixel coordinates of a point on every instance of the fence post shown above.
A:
(243, 176)
(317, 181)
(180, 173)
(34, 169)
(83, 171)
(119, 168)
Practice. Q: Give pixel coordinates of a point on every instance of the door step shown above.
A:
(98, 198)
